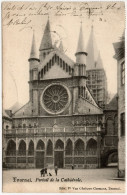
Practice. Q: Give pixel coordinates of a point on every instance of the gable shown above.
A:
(56, 72)
(23, 111)
(64, 66)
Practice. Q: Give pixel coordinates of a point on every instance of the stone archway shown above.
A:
(11, 148)
(40, 154)
(59, 154)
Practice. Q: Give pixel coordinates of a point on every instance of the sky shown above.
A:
(20, 19)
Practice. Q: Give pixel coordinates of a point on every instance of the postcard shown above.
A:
(63, 97)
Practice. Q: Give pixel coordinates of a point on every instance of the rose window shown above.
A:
(55, 98)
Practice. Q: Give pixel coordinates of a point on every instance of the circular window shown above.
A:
(55, 98)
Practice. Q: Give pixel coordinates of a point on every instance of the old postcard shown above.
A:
(63, 97)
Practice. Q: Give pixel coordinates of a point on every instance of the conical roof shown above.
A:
(33, 53)
(80, 46)
(92, 51)
(99, 63)
(61, 46)
(46, 42)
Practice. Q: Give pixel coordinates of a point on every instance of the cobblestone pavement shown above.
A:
(84, 176)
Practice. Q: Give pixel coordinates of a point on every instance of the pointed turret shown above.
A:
(46, 45)
(80, 53)
(99, 64)
(46, 42)
(80, 46)
(92, 51)
(61, 46)
(33, 53)
(80, 66)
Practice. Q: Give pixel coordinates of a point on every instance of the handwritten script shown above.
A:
(22, 13)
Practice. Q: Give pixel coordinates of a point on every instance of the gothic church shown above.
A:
(62, 122)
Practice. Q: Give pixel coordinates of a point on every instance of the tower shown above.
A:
(46, 45)
(80, 66)
(33, 76)
(97, 81)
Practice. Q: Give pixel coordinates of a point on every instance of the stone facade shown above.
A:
(109, 149)
(97, 80)
(120, 57)
(62, 123)
(121, 110)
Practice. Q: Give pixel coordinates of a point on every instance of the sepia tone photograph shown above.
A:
(63, 112)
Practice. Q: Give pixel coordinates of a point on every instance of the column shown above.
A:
(27, 165)
(45, 163)
(34, 152)
(53, 148)
(98, 149)
(73, 153)
(16, 151)
(64, 148)
(85, 150)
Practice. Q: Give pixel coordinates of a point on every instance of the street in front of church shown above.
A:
(86, 179)
(85, 175)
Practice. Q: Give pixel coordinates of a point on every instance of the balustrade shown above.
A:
(88, 129)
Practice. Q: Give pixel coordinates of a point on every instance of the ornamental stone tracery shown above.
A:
(55, 98)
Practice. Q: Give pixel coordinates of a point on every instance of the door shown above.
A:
(39, 159)
(59, 159)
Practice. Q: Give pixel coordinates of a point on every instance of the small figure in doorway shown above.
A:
(56, 170)
(72, 167)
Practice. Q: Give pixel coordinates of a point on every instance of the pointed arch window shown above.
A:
(59, 145)
(91, 148)
(31, 148)
(79, 147)
(22, 148)
(11, 148)
(49, 148)
(69, 148)
(40, 145)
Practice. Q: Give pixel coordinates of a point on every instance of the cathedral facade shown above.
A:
(62, 123)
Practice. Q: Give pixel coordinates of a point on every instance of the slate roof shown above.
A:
(113, 104)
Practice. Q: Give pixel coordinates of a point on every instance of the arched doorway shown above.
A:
(79, 153)
(91, 148)
(68, 150)
(113, 159)
(49, 148)
(31, 149)
(40, 154)
(79, 148)
(11, 148)
(22, 148)
(59, 154)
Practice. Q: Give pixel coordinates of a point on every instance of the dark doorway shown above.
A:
(59, 159)
(40, 159)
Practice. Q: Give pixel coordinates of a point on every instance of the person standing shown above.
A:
(56, 170)
(42, 172)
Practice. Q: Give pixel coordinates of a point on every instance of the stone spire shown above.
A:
(33, 53)
(92, 51)
(46, 42)
(80, 52)
(61, 46)
(99, 64)
(80, 46)
(80, 65)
